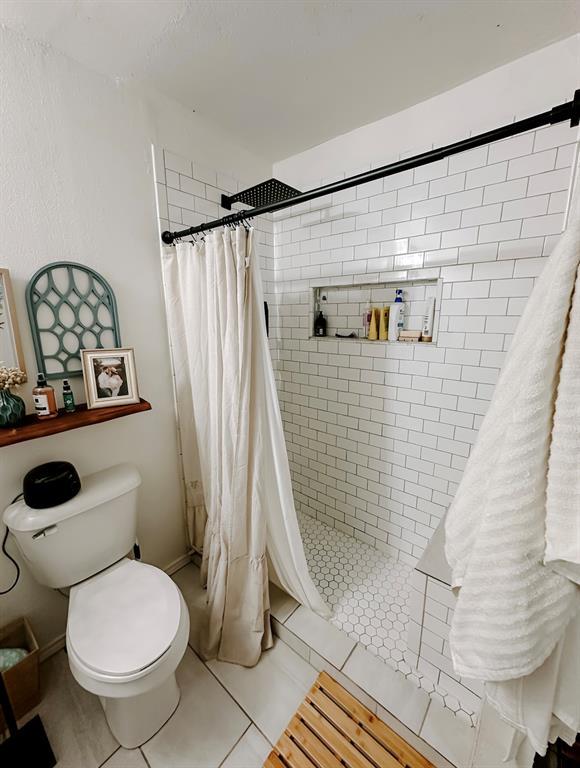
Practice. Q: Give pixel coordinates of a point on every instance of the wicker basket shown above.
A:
(22, 681)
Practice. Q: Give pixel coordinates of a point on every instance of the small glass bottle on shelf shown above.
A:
(68, 397)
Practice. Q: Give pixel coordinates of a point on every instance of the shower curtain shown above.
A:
(230, 425)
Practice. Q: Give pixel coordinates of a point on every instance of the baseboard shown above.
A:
(175, 565)
(56, 645)
(53, 647)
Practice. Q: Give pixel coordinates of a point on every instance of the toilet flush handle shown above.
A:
(50, 529)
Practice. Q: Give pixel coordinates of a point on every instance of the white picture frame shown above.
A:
(110, 377)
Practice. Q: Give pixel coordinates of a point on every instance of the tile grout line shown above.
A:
(352, 650)
(144, 756)
(114, 752)
(425, 718)
(292, 612)
(237, 742)
(232, 697)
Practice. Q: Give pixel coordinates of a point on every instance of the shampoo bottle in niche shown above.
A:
(396, 316)
(44, 399)
(68, 397)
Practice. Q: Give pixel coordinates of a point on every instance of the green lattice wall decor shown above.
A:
(70, 307)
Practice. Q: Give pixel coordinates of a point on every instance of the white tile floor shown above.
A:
(228, 716)
(368, 592)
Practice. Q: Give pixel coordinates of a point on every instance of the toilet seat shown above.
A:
(122, 622)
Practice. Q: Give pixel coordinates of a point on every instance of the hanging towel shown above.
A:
(513, 529)
(513, 607)
(563, 494)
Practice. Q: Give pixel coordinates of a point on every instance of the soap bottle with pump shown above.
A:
(44, 399)
(68, 397)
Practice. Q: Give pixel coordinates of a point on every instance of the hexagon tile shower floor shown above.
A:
(368, 592)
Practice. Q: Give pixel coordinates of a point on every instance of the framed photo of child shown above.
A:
(109, 377)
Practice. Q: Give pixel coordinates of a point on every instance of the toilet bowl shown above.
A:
(128, 624)
(127, 631)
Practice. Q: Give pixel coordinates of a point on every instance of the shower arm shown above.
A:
(569, 110)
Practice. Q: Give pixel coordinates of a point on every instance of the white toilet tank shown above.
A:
(70, 543)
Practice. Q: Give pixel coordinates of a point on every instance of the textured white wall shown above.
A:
(77, 184)
(523, 87)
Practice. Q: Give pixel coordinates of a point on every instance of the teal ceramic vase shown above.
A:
(12, 409)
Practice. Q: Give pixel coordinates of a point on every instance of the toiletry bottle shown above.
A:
(44, 399)
(68, 397)
(384, 324)
(374, 327)
(396, 316)
(394, 310)
(401, 314)
(427, 327)
(367, 320)
(320, 324)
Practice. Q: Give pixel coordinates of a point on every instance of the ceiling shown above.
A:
(285, 75)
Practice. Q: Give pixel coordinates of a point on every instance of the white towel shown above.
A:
(513, 530)
(563, 496)
(513, 608)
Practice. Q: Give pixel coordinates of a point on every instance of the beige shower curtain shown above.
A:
(231, 434)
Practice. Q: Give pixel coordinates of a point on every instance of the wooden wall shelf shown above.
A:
(32, 428)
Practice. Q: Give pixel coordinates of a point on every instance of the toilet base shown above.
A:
(133, 720)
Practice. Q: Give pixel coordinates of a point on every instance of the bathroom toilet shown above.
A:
(128, 625)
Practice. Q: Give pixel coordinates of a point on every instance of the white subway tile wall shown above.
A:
(430, 610)
(188, 193)
(378, 434)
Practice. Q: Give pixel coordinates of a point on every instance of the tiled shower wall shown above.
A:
(379, 433)
(189, 193)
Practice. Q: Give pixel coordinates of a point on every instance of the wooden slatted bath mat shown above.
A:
(332, 729)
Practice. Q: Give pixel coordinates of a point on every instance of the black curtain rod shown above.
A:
(570, 110)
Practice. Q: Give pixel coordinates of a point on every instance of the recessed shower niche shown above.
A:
(344, 306)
